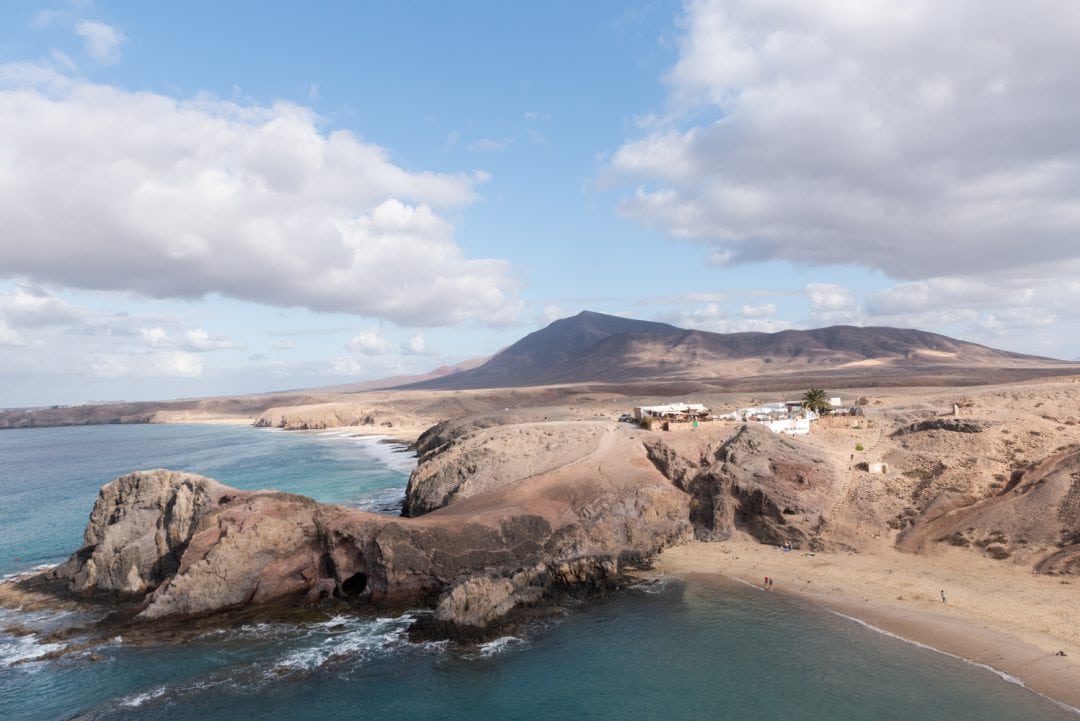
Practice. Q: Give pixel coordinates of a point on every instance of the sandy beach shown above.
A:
(995, 614)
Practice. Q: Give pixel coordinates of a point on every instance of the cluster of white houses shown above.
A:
(783, 417)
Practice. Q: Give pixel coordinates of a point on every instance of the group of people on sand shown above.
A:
(768, 584)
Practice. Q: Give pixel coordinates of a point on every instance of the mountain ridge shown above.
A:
(595, 347)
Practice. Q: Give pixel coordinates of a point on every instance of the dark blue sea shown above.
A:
(675, 650)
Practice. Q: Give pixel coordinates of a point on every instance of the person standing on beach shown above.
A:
(943, 595)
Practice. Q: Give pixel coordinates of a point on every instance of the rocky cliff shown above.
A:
(175, 544)
(774, 487)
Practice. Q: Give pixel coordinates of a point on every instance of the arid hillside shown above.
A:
(593, 347)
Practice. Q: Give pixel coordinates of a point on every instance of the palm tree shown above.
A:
(816, 400)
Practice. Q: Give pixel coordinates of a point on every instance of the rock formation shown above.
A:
(178, 544)
(1035, 519)
(774, 487)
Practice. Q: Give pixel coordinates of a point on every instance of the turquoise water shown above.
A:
(668, 651)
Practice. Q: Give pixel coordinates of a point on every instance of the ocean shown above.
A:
(696, 649)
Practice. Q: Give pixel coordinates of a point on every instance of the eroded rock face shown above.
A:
(942, 424)
(772, 486)
(139, 529)
(187, 545)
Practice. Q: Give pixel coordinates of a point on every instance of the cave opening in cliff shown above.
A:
(354, 585)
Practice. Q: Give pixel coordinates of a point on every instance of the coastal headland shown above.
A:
(947, 513)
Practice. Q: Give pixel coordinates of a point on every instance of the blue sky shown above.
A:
(214, 198)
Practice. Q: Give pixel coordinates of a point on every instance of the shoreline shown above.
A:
(987, 620)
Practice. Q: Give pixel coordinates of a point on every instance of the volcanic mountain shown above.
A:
(593, 347)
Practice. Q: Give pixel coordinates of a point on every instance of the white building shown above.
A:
(671, 411)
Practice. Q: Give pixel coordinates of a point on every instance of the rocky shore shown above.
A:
(510, 511)
(164, 545)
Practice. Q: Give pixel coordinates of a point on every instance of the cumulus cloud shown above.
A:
(101, 188)
(759, 311)
(1010, 311)
(200, 341)
(171, 364)
(832, 304)
(921, 138)
(714, 318)
(369, 342)
(28, 307)
(417, 345)
(102, 41)
(155, 337)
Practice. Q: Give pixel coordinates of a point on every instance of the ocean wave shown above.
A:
(343, 638)
(139, 699)
(500, 645)
(24, 650)
(396, 456)
(390, 500)
(654, 586)
(41, 567)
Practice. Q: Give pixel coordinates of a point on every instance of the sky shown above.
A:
(210, 198)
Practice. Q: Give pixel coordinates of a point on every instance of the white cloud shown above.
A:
(759, 311)
(28, 307)
(199, 341)
(920, 138)
(155, 337)
(284, 344)
(44, 18)
(102, 41)
(171, 364)
(369, 342)
(178, 365)
(713, 318)
(183, 198)
(832, 304)
(9, 337)
(552, 313)
(346, 366)
(417, 345)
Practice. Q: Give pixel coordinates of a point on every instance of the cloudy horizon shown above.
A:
(205, 204)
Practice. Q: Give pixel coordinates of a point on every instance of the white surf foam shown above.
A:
(28, 572)
(392, 455)
(500, 645)
(996, 671)
(139, 699)
(343, 637)
(24, 649)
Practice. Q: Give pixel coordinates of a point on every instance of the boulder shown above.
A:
(139, 529)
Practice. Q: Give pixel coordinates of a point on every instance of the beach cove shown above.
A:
(1002, 617)
(680, 649)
